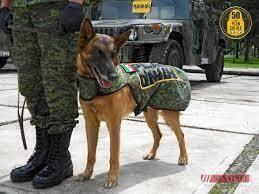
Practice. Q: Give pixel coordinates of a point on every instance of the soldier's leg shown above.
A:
(59, 80)
(58, 55)
(26, 57)
(27, 60)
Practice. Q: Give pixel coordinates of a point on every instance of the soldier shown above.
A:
(44, 53)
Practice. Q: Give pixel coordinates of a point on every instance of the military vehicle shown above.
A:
(172, 32)
(5, 48)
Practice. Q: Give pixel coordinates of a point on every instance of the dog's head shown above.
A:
(99, 53)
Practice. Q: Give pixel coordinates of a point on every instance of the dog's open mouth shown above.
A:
(103, 82)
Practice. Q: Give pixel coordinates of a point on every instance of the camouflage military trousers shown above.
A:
(45, 65)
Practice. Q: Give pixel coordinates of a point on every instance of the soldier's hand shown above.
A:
(72, 17)
(6, 18)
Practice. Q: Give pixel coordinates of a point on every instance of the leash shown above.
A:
(20, 114)
(20, 120)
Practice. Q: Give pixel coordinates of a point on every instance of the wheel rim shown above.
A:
(174, 57)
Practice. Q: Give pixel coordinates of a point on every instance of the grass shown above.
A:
(239, 63)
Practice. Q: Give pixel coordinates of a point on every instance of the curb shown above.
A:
(226, 72)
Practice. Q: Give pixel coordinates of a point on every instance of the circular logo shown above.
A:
(235, 22)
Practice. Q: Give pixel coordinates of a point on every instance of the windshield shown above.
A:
(161, 9)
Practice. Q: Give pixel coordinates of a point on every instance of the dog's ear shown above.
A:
(120, 40)
(86, 33)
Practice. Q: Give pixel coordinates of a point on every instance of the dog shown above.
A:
(97, 62)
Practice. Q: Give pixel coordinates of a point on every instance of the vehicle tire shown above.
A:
(3, 61)
(214, 71)
(167, 53)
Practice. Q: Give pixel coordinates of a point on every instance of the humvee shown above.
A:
(5, 48)
(174, 32)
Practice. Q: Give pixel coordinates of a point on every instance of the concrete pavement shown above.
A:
(208, 153)
(220, 122)
(252, 187)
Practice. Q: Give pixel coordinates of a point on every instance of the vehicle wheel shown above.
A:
(214, 71)
(3, 61)
(168, 53)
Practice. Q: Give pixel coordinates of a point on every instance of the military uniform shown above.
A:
(44, 52)
(45, 64)
(152, 85)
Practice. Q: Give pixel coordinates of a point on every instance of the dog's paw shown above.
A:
(149, 156)
(183, 160)
(82, 177)
(110, 183)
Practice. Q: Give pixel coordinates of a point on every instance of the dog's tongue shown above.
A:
(106, 84)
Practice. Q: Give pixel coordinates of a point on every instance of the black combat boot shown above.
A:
(59, 164)
(37, 161)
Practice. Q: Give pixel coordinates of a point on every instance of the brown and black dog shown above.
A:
(97, 58)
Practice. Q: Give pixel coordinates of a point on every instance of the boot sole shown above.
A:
(60, 179)
(21, 180)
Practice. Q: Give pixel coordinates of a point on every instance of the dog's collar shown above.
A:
(89, 87)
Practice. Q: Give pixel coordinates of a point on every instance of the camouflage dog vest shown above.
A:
(152, 85)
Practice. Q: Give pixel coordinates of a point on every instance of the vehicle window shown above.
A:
(161, 9)
(169, 9)
(117, 9)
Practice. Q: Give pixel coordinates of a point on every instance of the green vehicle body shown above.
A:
(188, 34)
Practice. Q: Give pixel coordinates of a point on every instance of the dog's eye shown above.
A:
(99, 52)
(113, 53)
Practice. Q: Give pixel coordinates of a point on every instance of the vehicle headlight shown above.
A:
(153, 28)
(133, 35)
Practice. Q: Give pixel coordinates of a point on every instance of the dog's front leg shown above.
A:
(92, 129)
(114, 130)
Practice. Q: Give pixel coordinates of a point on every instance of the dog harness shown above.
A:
(152, 85)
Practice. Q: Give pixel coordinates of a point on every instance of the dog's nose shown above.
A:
(112, 76)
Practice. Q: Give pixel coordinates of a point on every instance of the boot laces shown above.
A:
(58, 151)
(53, 157)
(38, 146)
(55, 150)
